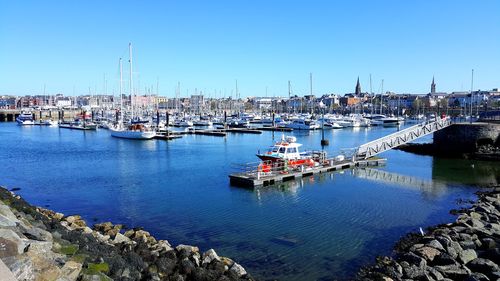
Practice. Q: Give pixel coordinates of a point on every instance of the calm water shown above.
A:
(179, 191)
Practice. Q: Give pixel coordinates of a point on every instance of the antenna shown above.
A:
(311, 82)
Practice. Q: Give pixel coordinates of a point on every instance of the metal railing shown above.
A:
(409, 134)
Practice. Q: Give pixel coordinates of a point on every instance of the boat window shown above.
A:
(282, 149)
(275, 149)
(292, 150)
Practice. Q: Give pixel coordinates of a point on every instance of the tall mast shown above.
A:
(311, 82)
(371, 92)
(121, 94)
(381, 96)
(131, 85)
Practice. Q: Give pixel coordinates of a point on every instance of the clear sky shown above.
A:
(69, 46)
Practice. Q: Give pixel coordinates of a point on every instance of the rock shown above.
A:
(238, 269)
(436, 245)
(454, 272)
(468, 244)
(120, 238)
(166, 266)
(484, 266)
(70, 271)
(129, 233)
(454, 249)
(488, 243)
(436, 275)
(103, 227)
(8, 237)
(428, 253)
(187, 266)
(467, 255)
(6, 222)
(476, 223)
(7, 213)
(21, 267)
(186, 250)
(475, 276)
(72, 219)
(209, 256)
(87, 230)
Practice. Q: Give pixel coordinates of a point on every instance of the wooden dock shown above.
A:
(243, 131)
(275, 129)
(167, 136)
(257, 178)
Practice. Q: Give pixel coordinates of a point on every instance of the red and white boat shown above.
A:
(286, 151)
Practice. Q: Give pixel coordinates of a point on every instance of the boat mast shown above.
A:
(130, 82)
(121, 95)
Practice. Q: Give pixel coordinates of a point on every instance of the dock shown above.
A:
(167, 136)
(255, 177)
(243, 130)
(275, 129)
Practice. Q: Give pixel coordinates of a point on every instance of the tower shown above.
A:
(433, 86)
(358, 88)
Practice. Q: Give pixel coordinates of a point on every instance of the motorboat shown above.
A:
(25, 118)
(303, 124)
(133, 131)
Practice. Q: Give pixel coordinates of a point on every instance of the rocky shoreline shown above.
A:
(467, 249)
(39, 244)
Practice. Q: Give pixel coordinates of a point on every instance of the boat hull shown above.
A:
(135, 135)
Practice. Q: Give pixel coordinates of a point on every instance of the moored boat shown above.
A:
(25, 119)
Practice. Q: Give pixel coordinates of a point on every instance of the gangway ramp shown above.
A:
(409, 134)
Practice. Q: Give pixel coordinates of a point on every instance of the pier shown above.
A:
(253, 175)
(270, 173)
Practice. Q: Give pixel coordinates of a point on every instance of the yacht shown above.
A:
(138, 131)
(25, 119)
(303, 124)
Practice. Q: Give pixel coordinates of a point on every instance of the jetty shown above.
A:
(263, 174)
(255, 176)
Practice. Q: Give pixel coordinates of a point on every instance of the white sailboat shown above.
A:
(133, 131)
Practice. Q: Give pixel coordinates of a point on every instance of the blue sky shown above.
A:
(69, 46)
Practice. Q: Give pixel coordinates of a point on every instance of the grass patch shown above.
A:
(80, 258)
(95, 268)
(68, 250)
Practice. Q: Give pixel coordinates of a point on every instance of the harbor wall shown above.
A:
(466, 138)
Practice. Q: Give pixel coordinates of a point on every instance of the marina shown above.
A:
(295, 209)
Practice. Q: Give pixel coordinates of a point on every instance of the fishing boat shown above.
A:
(25, 118)
(286, 153)
(137, 131)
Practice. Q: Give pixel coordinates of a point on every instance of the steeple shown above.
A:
(433, 86)
(358, 88)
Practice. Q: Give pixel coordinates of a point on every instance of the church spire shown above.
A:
(358, 88)
(433, 86)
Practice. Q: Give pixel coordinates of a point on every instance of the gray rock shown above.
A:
(483, 266)
(468, 244)
(436, 244)
(428, 253)
(70, 271)
(21, 267)
(209, 256)
(6, 222)
(467, 255)
(187, 266)
(120, 238)
(454, 272)
(10, 235)
(488, 243)
(476, 276)
(436, 275)
(238, 269)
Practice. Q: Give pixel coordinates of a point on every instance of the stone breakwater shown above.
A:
(39, 244)
(467, 249)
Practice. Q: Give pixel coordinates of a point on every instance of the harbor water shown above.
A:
(318, 228)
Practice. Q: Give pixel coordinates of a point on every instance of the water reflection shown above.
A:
(432, 187)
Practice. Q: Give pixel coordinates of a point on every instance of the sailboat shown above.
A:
(132, 131)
